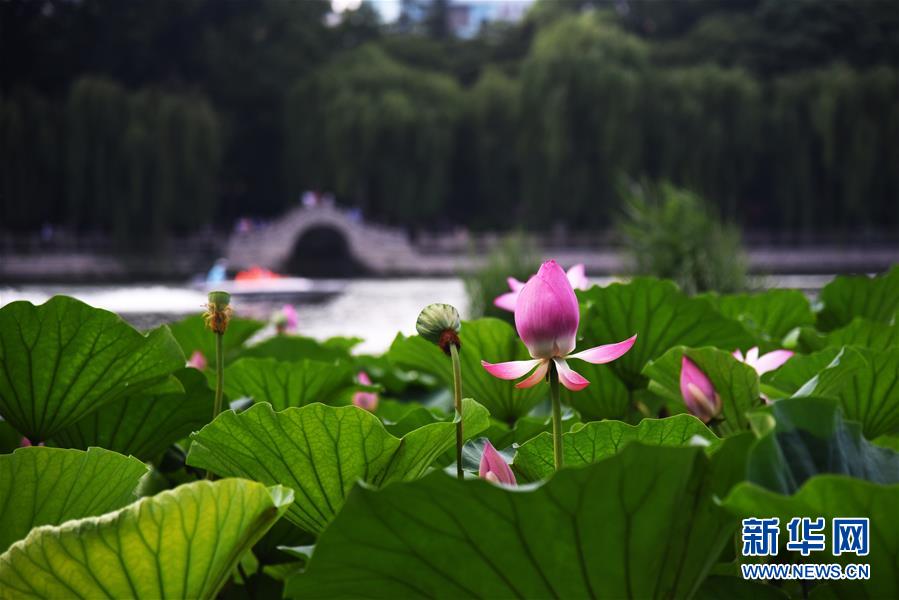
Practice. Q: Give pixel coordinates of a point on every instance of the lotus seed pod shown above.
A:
(440, 324)
(219, 299)
(218, 311)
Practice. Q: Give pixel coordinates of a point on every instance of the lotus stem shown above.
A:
(557, 415)
(219, 373)
(219, 381)
(457, 397)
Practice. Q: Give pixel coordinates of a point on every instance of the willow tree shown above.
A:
(580, 102)
(140, 164)
(703, 131)
(385, 130)
(489, 131)
(30, 160)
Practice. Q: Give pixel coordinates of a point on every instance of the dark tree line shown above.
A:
(155, 117)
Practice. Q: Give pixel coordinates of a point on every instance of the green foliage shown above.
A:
(193, 336)
(637, 510)
(320, 451)
(485, 339)
(671, 233)
(770, 315)
(846, 297)
(144, 424)
(48, 486)
(580, 97)
(158, 547)
(440, 537)
(514, 256)
(592, 442)
(62, 360)
(384, 130)
(283, 384)
(866, 383)
(135, 161)
(31, 159)
(810, 438)
(662, 317)
(782, 114)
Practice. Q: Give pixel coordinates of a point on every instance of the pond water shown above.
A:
(374, 309)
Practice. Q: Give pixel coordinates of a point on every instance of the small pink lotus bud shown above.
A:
(493, 467)
(197, 361)
(365, 400)
(698, 392)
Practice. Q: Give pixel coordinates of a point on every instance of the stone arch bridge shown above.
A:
(379, 250)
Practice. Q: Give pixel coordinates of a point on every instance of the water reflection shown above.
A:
(373, 309)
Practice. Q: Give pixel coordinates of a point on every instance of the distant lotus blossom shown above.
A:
(365, 400)
(698, 392)
(577, 277)
(287, 320)
(547, 318)
(493, 467)
(766, 362)
(197, 361)
(25, 443)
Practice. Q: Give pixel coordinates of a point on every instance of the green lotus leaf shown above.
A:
(283, 384)
(607, 397)
(847, 297)
(662, 317)
(47, 486)
(182, 543)
(770, 315)
(591, 442)
(862, 332)
(866, 383)
(295, 347)
(321, 451)
(193, 336)
(146, 424)
(788, 379)
(810, 438)
(62, 360)
(640, 524)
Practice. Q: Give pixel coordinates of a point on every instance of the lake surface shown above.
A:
(373, 309)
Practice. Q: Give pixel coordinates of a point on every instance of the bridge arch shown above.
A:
(371, 248)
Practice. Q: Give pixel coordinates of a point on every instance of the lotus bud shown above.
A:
(218, 311)
(197, 361)
(440, 324)
(365, 400)
(698, 392)
(493, 467)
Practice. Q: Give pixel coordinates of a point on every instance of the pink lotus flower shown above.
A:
(698, 392)
(365, 400)
(547, 318)
(197, 361)
(493, 467)
(766, 362)
(577, 277)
